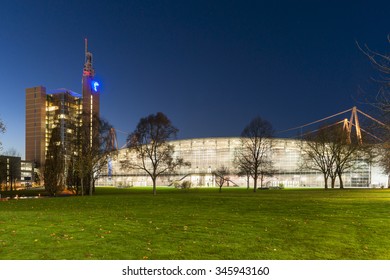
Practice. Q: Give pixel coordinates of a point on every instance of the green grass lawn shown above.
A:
(199, 224)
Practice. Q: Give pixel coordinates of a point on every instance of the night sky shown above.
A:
(210, 66)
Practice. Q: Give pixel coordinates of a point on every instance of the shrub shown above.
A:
(182, 185)
(186, 185)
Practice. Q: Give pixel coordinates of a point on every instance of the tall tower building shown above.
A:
(61, 108)
(90, 94)
(35, 124)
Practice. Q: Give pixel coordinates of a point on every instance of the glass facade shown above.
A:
(63, 110)
(208, 154)
(26, 173)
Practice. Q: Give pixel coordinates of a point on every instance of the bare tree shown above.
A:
(221, 176)
(327, 150)
(266, 170)
(13, 166)
(384, 160)
(3, 173)
(103, 151)
(90, 153)
(346, 155)
(54, 164)
(2, 130)
(381, 100)
(243, 172)
(253, 156)
(381, 62)
(317, 154)
(149, 145)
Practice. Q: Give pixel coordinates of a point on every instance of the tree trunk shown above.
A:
(326, 181)
(332, 182)
(154, 186)
(82, 185)
(255, 183)
(261, 181)
(91, 184)
(341, 181)
(247, 181)
(388, 181)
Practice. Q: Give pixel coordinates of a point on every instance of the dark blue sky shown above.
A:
(210, 66)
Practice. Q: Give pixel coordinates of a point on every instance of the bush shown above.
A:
(122, 185)
(182, 185)
(186, 185)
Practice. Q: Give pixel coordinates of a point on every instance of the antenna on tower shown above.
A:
(88, 70)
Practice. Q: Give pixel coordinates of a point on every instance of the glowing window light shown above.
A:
(51, 108)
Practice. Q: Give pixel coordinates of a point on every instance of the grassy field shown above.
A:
(199, 224)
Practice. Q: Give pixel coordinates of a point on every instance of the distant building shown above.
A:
(60, 108)
(15, 171)
(208, 154)
(9, 171)
(27, 172)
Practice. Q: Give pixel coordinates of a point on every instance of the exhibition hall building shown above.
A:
(206, 155)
